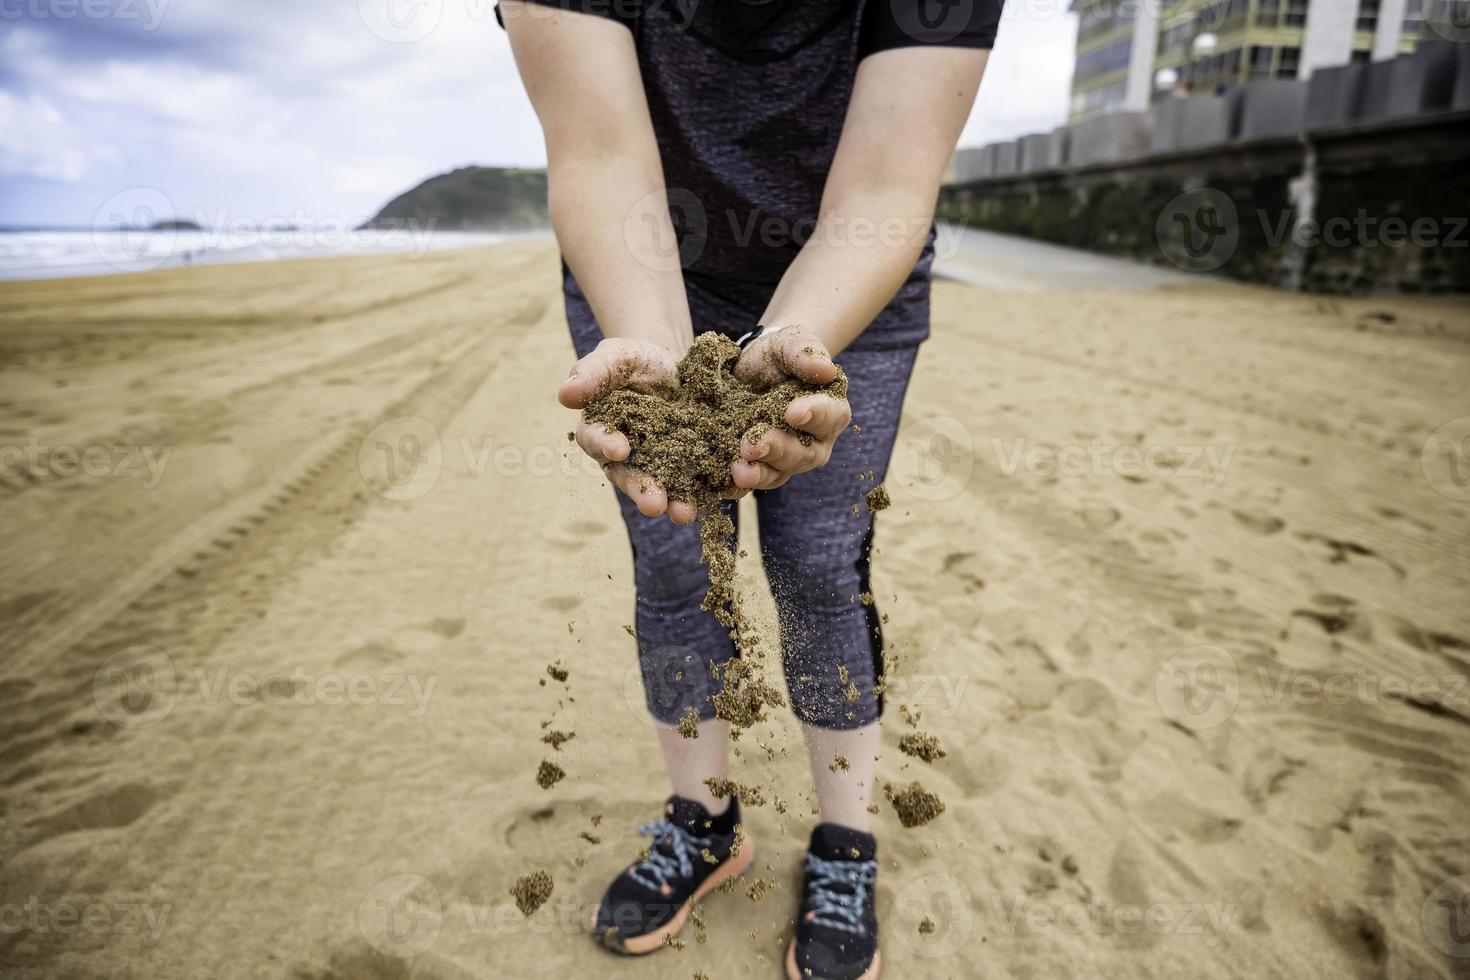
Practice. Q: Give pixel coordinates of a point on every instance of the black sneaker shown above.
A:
(837, 930)
(691, 854)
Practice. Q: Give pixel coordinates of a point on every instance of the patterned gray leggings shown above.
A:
(814, 549)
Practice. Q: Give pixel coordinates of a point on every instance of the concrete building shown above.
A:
(1123, 45)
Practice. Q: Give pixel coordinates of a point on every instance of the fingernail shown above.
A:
(804, 418)
(761, 450)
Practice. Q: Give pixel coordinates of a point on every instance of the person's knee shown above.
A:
(805, 582)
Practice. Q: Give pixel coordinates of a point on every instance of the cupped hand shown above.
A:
(774, 456)
(636, 365)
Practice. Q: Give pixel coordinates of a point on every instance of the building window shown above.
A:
(1103, 61)
(1260, 63)
(1413, 18)
(1268, 12)
(1290, 60)
(1362, 57)
(1368, 15)
(1296, 13)
(1175, 38)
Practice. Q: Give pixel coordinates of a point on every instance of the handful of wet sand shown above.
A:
(687, 438)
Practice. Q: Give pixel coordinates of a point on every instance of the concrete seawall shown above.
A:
(1357, 180)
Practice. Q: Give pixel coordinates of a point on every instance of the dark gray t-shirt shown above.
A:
(747, 99)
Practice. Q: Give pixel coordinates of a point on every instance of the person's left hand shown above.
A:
(775, 456)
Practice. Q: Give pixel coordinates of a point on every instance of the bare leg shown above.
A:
(690, 761)
(843, 793)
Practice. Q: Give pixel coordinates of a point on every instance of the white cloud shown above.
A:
(37, 141)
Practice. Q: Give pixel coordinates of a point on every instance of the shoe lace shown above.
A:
(673, 851)
(837, 891)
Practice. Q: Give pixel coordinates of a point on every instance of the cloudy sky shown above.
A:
(261, 110)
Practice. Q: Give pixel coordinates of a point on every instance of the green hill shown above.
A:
(471, 199)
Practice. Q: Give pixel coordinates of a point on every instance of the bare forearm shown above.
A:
(607, 199)
(613, 228)
(907, 110)
(862, 250)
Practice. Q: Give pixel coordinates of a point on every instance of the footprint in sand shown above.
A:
(373, 654)
(1260, 523)
(120, 806)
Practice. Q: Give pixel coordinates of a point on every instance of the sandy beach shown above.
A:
(1178, 577)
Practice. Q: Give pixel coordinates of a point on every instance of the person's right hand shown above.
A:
(638, 365)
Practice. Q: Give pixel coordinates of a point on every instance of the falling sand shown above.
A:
(686, 439)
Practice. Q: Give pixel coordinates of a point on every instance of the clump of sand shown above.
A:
(549, 774)
(915, 805)
(921, 746)
(531, 891)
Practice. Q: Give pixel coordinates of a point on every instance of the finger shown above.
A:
(640, 488)
(785, 452)
(681, 512)
(757, 476)
(806, 359)
(589, 375)
(602, 444)
(820, 415)
(617, 364)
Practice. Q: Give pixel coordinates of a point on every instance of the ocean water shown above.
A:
(61, 253)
